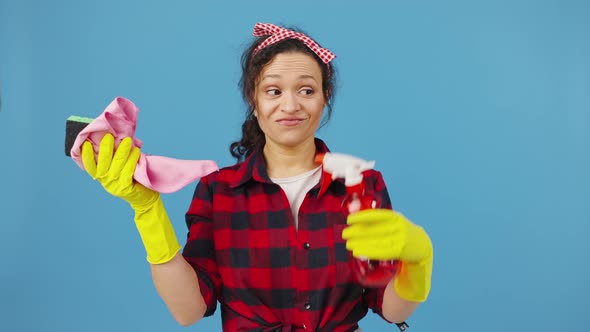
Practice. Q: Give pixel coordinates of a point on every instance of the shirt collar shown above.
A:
(254, 168)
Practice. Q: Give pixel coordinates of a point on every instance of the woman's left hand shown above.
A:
(383, 234)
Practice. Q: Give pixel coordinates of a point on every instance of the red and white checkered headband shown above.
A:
(278, 33)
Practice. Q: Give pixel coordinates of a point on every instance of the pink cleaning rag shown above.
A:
(162, 174)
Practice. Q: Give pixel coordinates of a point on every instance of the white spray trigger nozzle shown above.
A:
(345, 166)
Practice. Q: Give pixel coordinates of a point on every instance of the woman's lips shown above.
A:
(289, 122)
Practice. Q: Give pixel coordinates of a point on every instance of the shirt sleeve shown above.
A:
(373, 297)
(199, 249)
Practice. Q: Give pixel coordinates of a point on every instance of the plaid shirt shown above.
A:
(268, 276)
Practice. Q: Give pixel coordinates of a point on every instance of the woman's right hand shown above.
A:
(114, 170)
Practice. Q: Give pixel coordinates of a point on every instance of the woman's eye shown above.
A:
(307, 92)
(273, 92)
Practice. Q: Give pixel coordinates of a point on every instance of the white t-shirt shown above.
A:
(296, 187)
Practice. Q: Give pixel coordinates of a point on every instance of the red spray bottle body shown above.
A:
(370, 273)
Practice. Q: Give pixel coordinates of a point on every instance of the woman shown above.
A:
(267, 236)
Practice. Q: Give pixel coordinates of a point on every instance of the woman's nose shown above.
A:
(289, 103)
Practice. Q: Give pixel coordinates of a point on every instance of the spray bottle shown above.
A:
(370, 273)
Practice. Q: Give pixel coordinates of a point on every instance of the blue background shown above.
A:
(477, 113)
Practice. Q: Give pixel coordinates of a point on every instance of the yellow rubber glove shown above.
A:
(114, 171)
(382, 234)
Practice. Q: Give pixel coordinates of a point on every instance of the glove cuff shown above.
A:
(157, 233)
(413, 280)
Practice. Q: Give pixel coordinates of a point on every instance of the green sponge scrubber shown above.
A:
(74, 125)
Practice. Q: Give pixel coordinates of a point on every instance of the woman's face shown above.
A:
(289, 99)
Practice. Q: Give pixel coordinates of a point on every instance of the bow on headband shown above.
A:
(278, 33)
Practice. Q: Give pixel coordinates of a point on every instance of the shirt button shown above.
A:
(306, 245)
(307, 306)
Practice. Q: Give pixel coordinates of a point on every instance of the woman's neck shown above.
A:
(282, 162)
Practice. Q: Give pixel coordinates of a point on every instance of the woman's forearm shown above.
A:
(177, 284)
(396, 309)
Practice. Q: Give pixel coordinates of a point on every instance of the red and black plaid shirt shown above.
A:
(268, 275)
